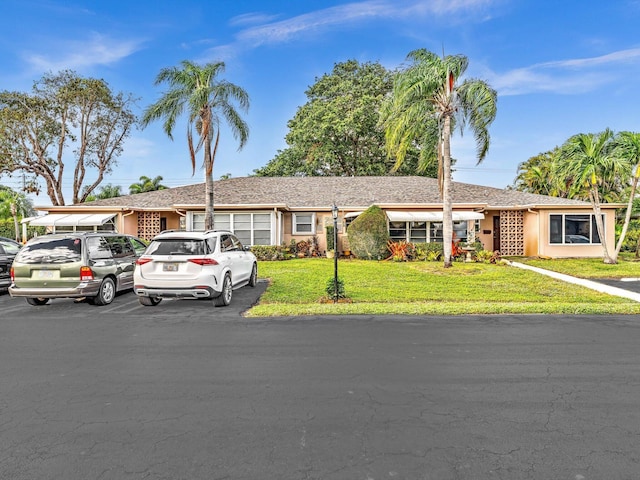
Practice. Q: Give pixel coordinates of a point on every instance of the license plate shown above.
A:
(170, 267)
(45, 274)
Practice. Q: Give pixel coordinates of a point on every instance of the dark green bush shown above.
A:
(368, 235)
(330, 237)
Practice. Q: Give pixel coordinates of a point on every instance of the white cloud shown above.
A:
(565, 76)
(78, 54)
(266, 31)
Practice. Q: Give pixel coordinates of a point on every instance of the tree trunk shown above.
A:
(208, 175)
(14, 214)
(627, 218)
(595, 201)
(447, 207)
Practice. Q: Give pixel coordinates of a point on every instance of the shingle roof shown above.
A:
(346, 192)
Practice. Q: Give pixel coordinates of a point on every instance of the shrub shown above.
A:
(333, 293)
(330, 237)
(484, 256)
(368, 235)
(270, 252)
(400, 251)
(427, 251)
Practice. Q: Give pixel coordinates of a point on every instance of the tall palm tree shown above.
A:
(147, 184)
(429, 100)
(207, 100)
(587, 159)
(627, 148)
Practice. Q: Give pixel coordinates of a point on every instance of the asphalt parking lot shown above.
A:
(126, 303)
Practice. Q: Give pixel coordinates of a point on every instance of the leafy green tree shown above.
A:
(147, 184)
(337, 132)
(67, 121)
(429, 100)
(588, 160)
(207, 100)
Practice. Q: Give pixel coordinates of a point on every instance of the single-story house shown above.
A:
(275, 210)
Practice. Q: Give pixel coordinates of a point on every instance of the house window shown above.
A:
(423, 232)
(304, 223)
(250, 228)
(398, 231)
(197, 222)
(569, 229)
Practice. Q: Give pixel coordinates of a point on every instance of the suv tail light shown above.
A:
(203, 261)
(86, 273)
(143, 260)
(13, 276)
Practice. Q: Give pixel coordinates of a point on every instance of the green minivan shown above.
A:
(91, 265)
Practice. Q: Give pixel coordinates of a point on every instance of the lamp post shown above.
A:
(334, 214)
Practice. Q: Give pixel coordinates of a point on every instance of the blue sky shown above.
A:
(560, 67)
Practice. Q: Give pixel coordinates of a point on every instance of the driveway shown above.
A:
(188, 391)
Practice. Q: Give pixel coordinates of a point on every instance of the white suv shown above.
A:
(183, 264)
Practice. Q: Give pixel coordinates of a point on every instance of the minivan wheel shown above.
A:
(149, 301)
(253, 279)
(106, 293)
(224, 298)
(37, 301)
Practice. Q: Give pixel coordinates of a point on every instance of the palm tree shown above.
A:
(535, 176)
(627, 148)
(147, 184)
(207, 100)
(588, 161)
(428, 102)
(15, 205)
(108, 191)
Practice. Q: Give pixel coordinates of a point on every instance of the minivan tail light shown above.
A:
(143, 260)
(13, 276)
(203, 261)
(86, 273)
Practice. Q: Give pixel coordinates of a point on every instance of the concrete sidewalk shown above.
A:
(600, 287)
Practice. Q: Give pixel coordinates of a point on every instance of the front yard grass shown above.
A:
(627, 266)
(297, 287)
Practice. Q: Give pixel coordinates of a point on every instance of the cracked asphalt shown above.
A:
(188, 391)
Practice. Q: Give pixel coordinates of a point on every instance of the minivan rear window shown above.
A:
(58, 250)
(177, 246)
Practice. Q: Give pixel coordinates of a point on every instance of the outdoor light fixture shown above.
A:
(334, 214)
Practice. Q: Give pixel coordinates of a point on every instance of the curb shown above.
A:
(619, 292)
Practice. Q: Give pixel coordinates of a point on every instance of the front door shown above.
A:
(496, 233)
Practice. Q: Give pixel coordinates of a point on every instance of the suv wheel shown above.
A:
(224, 298)
(253, 279)
(107, 292)
(149, 301)
(37, 301)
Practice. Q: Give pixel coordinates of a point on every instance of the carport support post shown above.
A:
(334, 214)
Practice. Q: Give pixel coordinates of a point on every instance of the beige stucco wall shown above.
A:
(322, 219)
(575, 250)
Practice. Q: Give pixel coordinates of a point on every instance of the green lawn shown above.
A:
(588, 267)
(297, 287)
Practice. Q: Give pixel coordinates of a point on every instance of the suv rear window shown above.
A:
(177, 246)
(58, 250)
